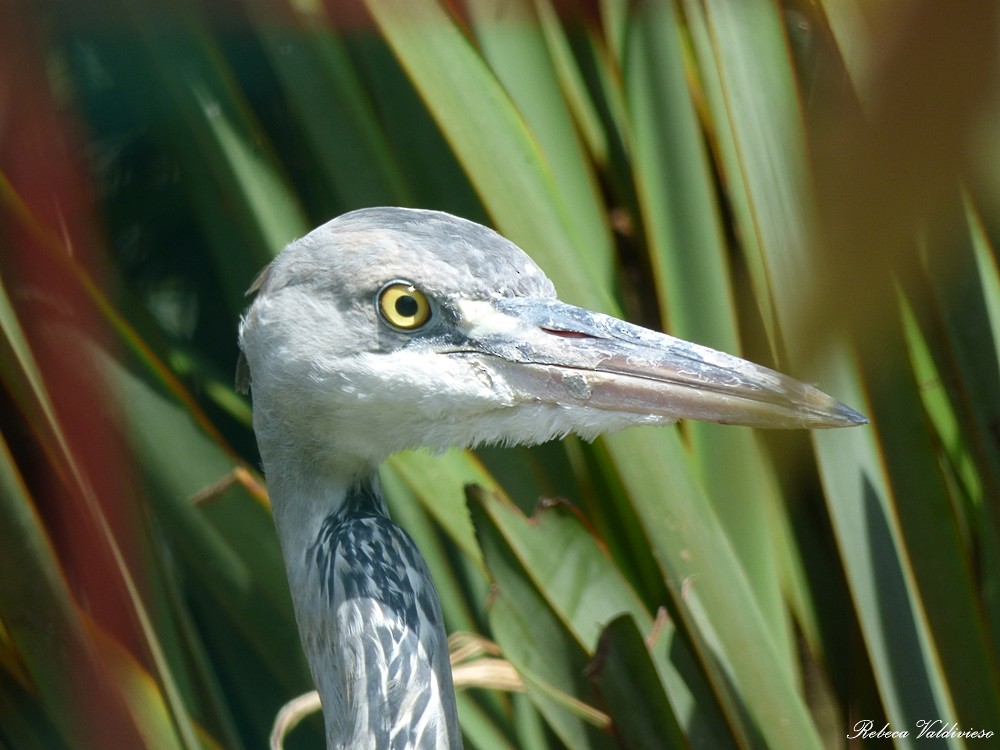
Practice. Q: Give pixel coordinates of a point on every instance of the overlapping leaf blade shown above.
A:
(694, 128)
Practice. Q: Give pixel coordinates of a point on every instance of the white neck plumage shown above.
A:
(369, 618)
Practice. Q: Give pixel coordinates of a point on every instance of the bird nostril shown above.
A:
(567, 334)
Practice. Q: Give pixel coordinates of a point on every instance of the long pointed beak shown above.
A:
(552, 352)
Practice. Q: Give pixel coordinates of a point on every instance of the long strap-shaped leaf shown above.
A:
(491, 140)
(514, 182)
(862, 480)
(683, 227)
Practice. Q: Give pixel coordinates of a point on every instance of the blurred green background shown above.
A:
(813, 185)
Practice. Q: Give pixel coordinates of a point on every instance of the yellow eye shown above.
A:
(403, 306)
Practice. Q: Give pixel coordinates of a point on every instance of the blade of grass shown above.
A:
(39, 594)
(439, 483)
(178, 462)
(960, 286)
(881, 581)
(627, 681)
(722, 141)
(709, 586)
(26, 723)
(932, 535)
(331, 106)
(479, 728)
(512, 42)
(761, 99)
(532, 639)
(582, 587)
(509, 172)
(209, 127)
(687, 248)
(571, 81)
(39, 410)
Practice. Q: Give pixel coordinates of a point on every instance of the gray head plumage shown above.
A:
(497, 360)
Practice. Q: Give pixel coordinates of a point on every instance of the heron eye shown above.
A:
(403, 306)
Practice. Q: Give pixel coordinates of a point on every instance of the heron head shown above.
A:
(392, 328)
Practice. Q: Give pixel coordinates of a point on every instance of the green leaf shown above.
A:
(580, 584)
(781, 179)
(513, 43)
(229, 542)
(332, 107)
(627, 682)
(675, 186)
(927, 523)
(439, 484)
(39, 594)
(548, 658)
(510, 173)
(708, 586)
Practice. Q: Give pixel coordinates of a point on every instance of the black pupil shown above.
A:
(407, 306)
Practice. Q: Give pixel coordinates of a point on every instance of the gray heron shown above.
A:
(392, 328)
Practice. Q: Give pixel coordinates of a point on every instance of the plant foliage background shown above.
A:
(813, 185)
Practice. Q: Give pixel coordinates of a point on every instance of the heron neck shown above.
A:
(364, 497)
(370, 622)
(301, 510)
